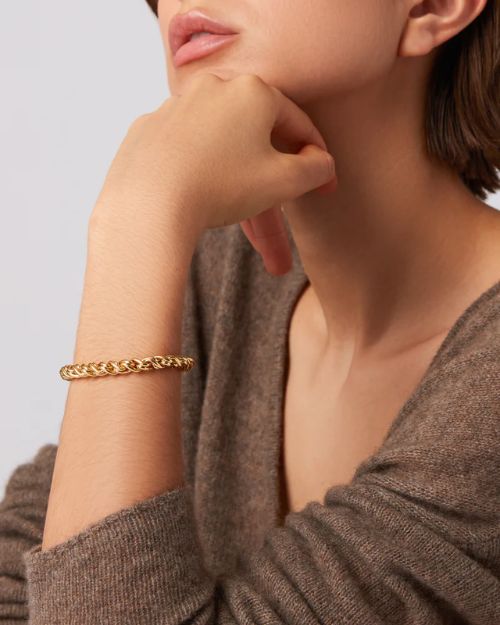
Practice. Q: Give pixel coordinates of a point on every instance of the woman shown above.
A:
(338, 457)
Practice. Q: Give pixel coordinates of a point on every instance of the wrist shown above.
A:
(170, 222)
(134, 287)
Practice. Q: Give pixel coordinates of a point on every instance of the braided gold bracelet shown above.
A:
(117, 367)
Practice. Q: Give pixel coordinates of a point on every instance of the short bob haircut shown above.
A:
(462, 118)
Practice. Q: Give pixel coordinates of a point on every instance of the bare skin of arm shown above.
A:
(120, 440)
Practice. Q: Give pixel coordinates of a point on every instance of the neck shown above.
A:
(400, 232)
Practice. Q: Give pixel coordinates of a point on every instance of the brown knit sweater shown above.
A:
(413, 539)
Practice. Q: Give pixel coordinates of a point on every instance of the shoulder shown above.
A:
(476, 331)
(458, 400)
(444, 448)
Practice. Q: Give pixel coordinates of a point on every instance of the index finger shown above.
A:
(292, 124)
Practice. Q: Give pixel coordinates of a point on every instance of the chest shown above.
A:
(325, 437)
(330, 424)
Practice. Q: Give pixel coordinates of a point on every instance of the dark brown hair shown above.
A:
(462, 118)
(463, 103)
(153, 5)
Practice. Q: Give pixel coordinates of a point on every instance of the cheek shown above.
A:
(336, 48)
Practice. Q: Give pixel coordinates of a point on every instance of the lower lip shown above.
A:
(200, 47)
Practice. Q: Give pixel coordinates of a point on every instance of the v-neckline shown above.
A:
(297, 281)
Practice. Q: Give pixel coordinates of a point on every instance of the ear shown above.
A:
(432, 22)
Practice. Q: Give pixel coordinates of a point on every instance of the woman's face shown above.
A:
(309, 49)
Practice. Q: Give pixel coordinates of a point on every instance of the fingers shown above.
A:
(297, 174)
(293, 124)
(330, 186)
(267, 233)
(292, 175)
(246, 226)
(310, 168)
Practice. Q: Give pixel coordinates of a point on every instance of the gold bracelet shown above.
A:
(117, 367)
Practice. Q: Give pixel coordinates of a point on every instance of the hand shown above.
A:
(211, 148)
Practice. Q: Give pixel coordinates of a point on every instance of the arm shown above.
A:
(23, 509)
(412, 540)
(388, 547)
(120, 439)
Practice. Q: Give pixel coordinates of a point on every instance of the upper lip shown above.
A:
(183, 25)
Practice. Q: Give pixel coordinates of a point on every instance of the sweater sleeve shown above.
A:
(413, 539)
(22, 518)
(24, 506)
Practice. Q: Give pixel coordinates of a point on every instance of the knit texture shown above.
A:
(413, 539)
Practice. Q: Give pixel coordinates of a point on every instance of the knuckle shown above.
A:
(253, 85)
(200, 82)
(140, 120)
(205, 78)
(166, 104)
(248, 78)
(252, 81)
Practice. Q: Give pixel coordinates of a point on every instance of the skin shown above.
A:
(395, 233)
(120, 437)
(400, 230)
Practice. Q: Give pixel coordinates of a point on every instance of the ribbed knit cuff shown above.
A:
(141, 564)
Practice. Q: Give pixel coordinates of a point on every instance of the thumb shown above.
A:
(310, 168)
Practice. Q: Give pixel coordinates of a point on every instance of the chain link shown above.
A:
(118, 367)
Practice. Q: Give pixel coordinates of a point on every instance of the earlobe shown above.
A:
(432, 22)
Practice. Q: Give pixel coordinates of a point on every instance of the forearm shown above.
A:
(120, 440)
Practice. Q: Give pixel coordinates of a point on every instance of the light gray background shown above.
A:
(73, 77)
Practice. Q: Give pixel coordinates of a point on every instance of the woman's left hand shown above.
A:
(206, 157)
